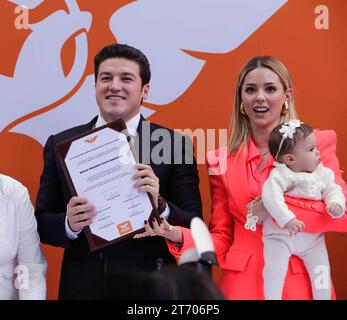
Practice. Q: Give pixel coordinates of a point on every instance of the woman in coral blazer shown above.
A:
(263, 99)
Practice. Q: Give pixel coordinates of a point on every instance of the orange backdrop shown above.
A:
(315, 58)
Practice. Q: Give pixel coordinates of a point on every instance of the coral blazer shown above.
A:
(240, 251)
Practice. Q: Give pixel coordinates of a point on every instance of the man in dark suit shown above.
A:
(122, 76)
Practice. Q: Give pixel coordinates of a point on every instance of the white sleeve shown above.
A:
(165, 214)
(32, 265)
(273, 199)
(333, 192)
(72, 235)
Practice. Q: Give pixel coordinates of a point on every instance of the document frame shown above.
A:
(95, 242)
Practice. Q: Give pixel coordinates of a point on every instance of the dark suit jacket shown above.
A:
(178, 185)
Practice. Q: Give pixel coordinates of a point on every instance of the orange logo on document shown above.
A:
(124, 227)
(91, 140)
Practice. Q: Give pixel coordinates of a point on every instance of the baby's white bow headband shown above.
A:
(288, 130)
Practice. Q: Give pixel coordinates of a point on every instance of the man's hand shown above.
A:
(147, 181)
(80, 213)
(295, 226)
(334, 210)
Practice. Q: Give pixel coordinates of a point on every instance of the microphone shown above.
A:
(203, 256)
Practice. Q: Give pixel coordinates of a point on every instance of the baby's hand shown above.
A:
(295, 226)
(334, 210)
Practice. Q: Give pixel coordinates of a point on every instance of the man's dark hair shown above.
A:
(170, 283)
(288, 144)
(125, 51)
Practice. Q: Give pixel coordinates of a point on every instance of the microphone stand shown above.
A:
(203, 264)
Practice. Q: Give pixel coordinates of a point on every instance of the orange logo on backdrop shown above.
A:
(124, 227)
(91, 140)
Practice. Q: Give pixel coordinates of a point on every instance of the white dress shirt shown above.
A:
(132, 125)
(21, 259)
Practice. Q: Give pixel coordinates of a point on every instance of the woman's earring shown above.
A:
(242, 109)
(285, 108)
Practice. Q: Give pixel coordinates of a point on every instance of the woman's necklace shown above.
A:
(264, 153)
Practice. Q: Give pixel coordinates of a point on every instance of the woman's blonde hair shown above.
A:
(240, 128)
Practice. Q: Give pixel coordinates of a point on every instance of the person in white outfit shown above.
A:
(22, 264)
(299, 173)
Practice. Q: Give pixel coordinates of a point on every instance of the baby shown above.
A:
(299, 173)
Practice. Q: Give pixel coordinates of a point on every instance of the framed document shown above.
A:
(99, 166)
